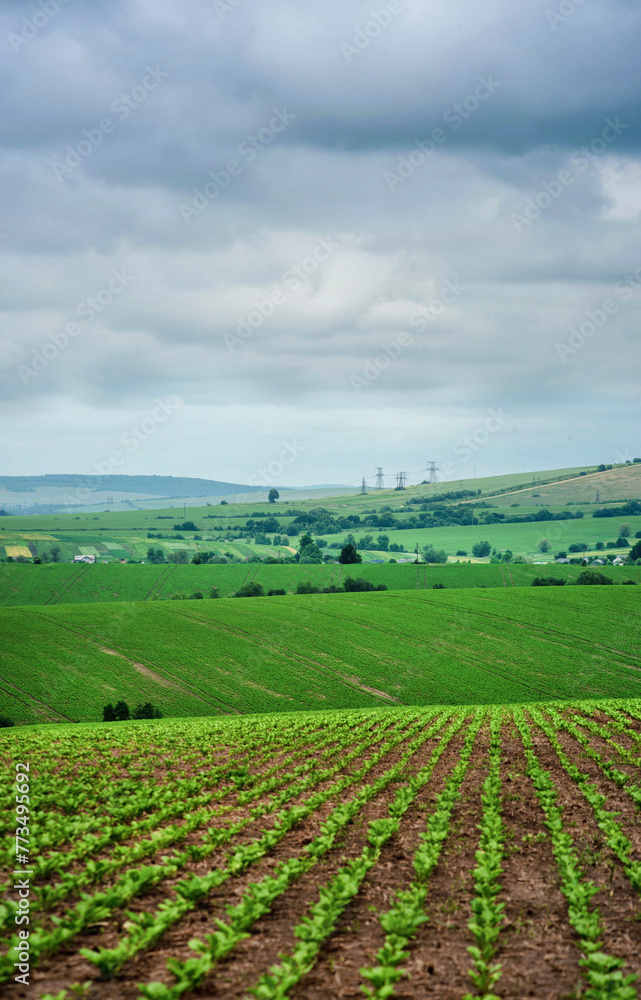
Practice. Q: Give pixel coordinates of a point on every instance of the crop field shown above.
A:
(441, 852)
(63, 583)
(235, 656)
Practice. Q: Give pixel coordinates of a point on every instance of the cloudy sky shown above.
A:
(291, 242)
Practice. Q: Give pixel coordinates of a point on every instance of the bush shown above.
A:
(307, 587)
(629, 583)
(544, 545)
(108, 713)
(481, 549)
(599, 546)
(359, 585)
(590, 577)
(121, 711)
(147, 711)
(214, 593)
(547, 581)
(438, 586)
(276, 593)
(197, 595)
(577, 547)
(251, 589)
(461, 552)
(622, 542)
(6, 722)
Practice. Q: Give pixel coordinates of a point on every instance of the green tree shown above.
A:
(432, 555)
(382, 543)
(544, 545)
(121, 711)
(481, 549)
(273, 495)
(251, 589)
(625, 530)
(349, 555)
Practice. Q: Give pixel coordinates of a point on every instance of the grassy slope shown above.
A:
(24, 583)
(332, 651)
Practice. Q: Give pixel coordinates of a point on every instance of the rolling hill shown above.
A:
(325, 651)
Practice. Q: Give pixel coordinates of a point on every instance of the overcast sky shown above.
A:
(293, 241)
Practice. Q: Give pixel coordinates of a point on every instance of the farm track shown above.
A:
(537, 947)
(55, 597)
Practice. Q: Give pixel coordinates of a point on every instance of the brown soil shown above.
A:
(537, 947)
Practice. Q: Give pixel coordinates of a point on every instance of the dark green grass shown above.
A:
(325, 651)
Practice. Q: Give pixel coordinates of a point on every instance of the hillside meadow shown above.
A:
(323, 651)
(63, 583)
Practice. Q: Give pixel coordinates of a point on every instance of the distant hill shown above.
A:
(74, 489)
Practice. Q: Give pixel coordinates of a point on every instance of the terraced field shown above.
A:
(436, 852)
(420, 647)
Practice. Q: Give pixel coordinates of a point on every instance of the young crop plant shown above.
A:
(603, 972)
(145, 929)
(487, 911)
(407, 913)
(615, 838)
(259, 897)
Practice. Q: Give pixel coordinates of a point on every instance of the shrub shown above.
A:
(307, 587)
(197, 595)
(108, 713)
(214, 593)
(251, 589)
(276, 593)
(146, 711)
(438, 586)
(6, 722)
(547, 581)
(461, 552)
(599, 546)
(121, 711)
(590, 577)
(622, 542)
(481, 549)
(544, 545)
(577, 547)
(358, 585)
(629, 583)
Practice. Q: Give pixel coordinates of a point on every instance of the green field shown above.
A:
(435, 850)
(329, 651)
(62, 583)
(119, 536)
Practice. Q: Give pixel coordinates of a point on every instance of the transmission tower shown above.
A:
(363, 486)
(401, 477)
(379, 484)
(432, 469)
